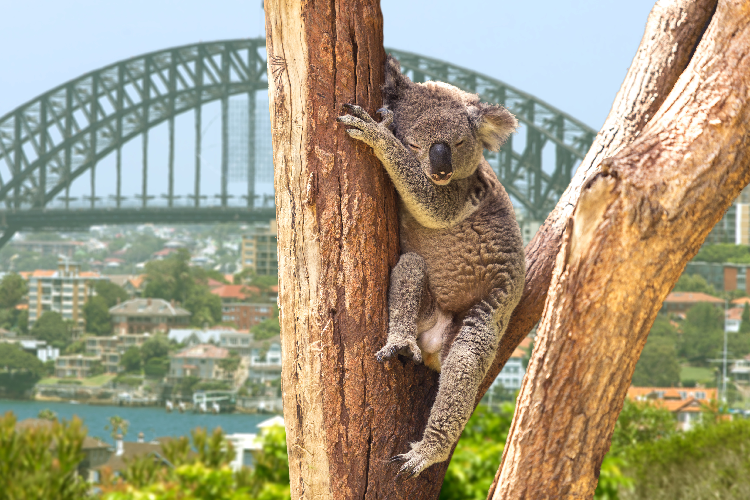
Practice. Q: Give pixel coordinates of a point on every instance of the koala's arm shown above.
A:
(433, 206)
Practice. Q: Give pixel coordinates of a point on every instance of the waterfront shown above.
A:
(153, 422)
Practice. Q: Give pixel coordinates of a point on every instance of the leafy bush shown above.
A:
(41, 461)
(706, 462)
(69, 381)
(156, 367)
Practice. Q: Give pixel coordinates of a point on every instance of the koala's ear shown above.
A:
(396, 83)
(493, 124)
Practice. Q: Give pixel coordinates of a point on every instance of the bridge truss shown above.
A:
(53, 140)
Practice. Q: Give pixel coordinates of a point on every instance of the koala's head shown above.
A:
(445, 127)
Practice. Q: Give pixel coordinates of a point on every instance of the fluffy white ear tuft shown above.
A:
(493, 124)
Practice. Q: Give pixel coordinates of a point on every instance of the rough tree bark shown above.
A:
(345, 413)
(637, 223)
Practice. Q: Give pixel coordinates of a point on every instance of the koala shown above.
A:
(461, 271)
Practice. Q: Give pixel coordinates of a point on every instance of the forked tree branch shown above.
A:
(673, 30)
(636, 225)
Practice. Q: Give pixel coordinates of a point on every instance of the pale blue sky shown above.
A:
(572, 54)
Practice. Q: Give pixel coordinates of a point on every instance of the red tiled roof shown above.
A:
(735, 313)
(691, 298)
(741, 301)
(518, 353)
(212, 283)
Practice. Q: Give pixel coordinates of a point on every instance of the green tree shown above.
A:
(97, 317)
(266, 329)
(738, 343)
(131, 360)
(51, 328)
(117, 425)
(658, 365)
(703, 334)
(694, 283)
(724, 252)
(641, 422)
(156, 367)
(174, 279)
(96, 368)
(111, 292)
(19, 370)
(13, 289)
(155, 347)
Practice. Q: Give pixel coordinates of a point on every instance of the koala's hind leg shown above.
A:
(463, 370)
(408, 279)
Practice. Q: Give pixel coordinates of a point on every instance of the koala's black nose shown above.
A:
(440, 162)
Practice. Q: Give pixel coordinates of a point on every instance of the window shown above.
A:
(700, 395)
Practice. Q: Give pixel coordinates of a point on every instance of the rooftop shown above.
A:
(691, 298)
(148, 307)
(203, 351)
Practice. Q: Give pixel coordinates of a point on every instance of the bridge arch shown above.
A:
(50, 141)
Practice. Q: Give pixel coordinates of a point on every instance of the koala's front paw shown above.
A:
(367, 130)
(414, 463)
(407, 347)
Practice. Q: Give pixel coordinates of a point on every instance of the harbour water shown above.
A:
(153, 422)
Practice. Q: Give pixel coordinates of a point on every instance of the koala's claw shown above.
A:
(387, 115)
(359, 112)
(407, 348)
(413, 465)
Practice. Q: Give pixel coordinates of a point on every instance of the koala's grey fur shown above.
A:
(462, 270)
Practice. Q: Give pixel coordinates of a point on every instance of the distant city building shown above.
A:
(75, 365)
(511, 376)
(200, 361)
(38, 348)
(725, 277)
(734, 227)
(65, 291)
(147, 315)
(680, 302)
(265, 359)
(685, 403)
(64, 248)
(109, 349)
(259, 251)
(246, 315)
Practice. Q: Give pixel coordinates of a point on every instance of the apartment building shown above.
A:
(64, 291)
(259, 250)
(200, 361)
(734, 227)
(110, 349)
(75, 365)
(148, 315)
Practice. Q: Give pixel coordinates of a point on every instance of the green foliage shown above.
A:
(129, 380)
(703, 334)
(96, 368)
(477, 454)
(41, 462)
(640, 422)
(174, 279)
(706, 462)
(212, 385)
(110, 292)
(658, 365)
(47, 414)
(694, 283)
(186, 385)
(230, 364)
(156, 367)
(13, 289)
(96, 315)
(738, 343)
(19, 370)
(76, 347)
(117, 425)
(266, 329)
(205, 474)
(156, 346)
(724, 252)
(51, 328)
(131, 360)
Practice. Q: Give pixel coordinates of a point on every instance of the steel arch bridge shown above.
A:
(50, 142)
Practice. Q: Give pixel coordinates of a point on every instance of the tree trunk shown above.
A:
(345, 414)
(637, 223)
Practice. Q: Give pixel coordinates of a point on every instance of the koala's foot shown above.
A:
(415, 461)
(407, 347)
